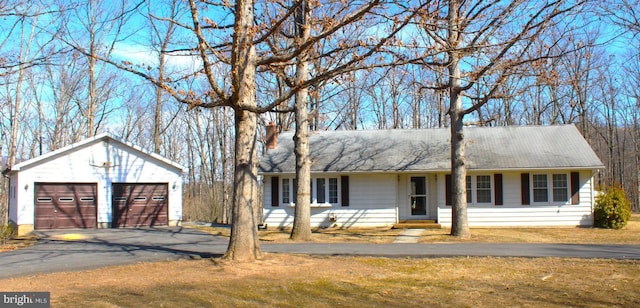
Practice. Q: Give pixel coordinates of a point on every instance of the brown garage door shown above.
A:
(65, 205)
(140, 205)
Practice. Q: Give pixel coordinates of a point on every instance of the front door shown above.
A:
(418, 196)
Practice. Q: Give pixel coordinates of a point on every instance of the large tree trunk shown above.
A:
(244, 244)
(302, 217)
(460, 225)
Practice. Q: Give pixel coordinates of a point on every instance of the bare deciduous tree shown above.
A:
(481, 43)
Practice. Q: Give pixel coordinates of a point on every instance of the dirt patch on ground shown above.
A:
(295, 281)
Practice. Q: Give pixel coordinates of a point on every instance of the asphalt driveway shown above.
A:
(72, 250)
(87, 249)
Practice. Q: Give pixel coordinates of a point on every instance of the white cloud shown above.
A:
(145, 57)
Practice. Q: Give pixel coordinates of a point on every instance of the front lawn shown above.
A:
(303, 281)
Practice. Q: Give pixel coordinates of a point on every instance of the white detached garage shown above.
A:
(100, 182)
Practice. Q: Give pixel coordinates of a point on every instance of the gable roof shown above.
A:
(98, 138)
(407, 150)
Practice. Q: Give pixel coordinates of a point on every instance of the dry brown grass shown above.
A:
(337, 235)
(17, 243)
(302, 281)
(322, 235)
(628, 235)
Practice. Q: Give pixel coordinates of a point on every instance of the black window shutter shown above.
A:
(295, 190)
(497, 181)
(275, 190)
(344, 183)
(575, 188)
(447, 188)
(524, 188)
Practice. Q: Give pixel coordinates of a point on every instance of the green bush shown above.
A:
(7, 232)
(612, 209)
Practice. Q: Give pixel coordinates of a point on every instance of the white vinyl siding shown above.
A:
(382, 199)
(103, 162)
(372, 203)
(513, 214)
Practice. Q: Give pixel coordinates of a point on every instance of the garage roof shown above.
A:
(408, 150)
(98, 138)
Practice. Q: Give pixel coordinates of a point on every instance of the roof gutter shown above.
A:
(439, 170)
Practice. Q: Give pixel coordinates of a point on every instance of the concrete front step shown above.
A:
(417, 224)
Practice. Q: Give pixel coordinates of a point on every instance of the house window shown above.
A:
(483, 189)
(286, 190)
(323, 191)
(333, 190)
(540, 188)
(320, 191)
(469, 190)
(549, 188)
(560, 188)
(479, 189)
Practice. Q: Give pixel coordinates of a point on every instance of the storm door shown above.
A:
(418, 196)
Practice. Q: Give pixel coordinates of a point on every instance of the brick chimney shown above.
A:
(272, 136)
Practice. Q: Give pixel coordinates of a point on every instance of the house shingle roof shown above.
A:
(488, 148)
